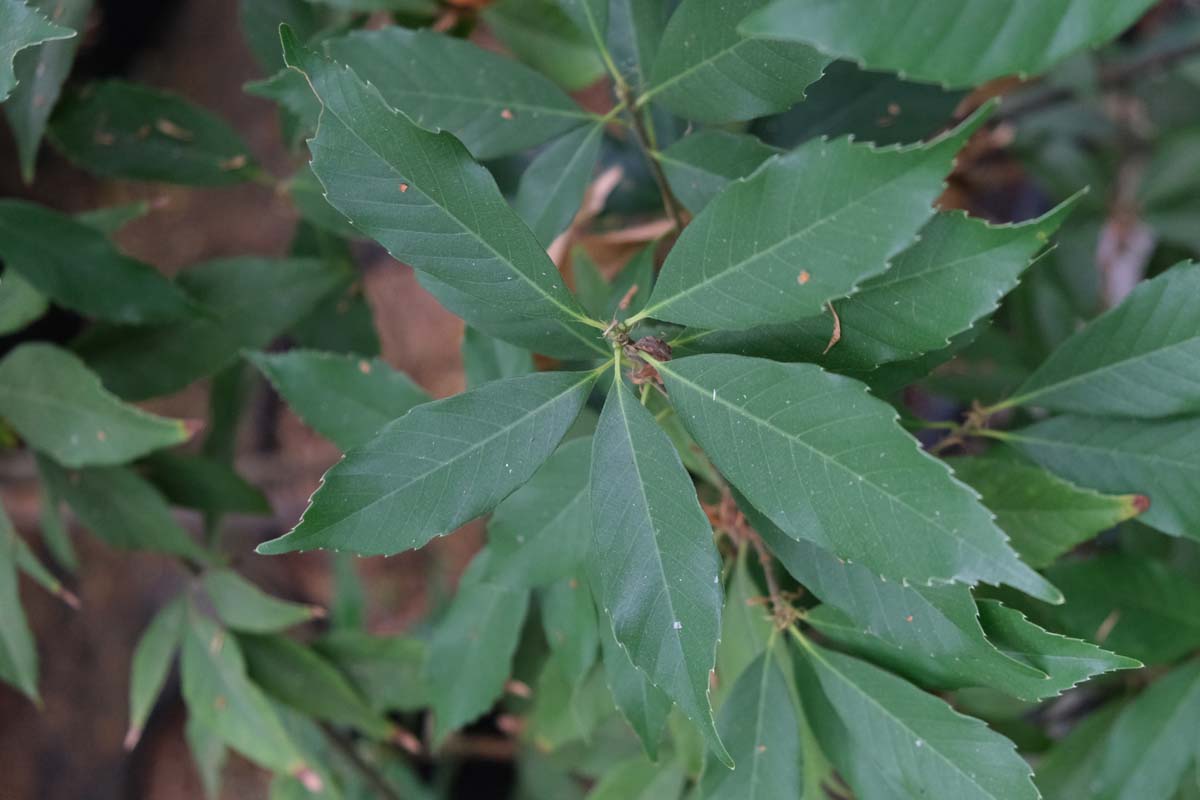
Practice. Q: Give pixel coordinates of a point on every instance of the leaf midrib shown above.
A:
(825, 457)
(554, 301)
(504, 430)
(1137, 456)
(1100, 370)
(899, 721)
(741, 266)
(641, 485)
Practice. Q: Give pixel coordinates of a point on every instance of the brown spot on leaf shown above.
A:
(234, 163)
(220, 702)
(101, 436)
(309, 779)
(103, 138)
(836, 336)
(908, 618)
(1107, 626)
(403, 188)
(506, 114)
(364, 367)
(406, 740)
(803, 277)
(1141, 503)
(171, 130)
(627, 298)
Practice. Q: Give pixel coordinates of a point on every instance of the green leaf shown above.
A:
(302, 679)
(1152, 744)
(760, 724)
(437, 210)
(591, 16)
(545, 38)
(706, 70)
(390, 494)
(1167, 191)
(635, 30)
(40, 73)
(1043, 515)
(342, 322)
(639, 779)
(643, 705)
(222, 699)
(871, 106)
(860, 480)
(1140, 359)
(889, 739)
(203, 483)
(59, 407)
(31, 565)
(123, 130)
(632, 285)
(151, 664)
(20, 303)
(208, 755)
(78, 267)
(228, 394)
(930, 633)
(960, 43)
(1160, 459)
(252, 300)
(54, 531)
(348, 606)
(1069, 769)
(569, 623)
(242, 606)
(111, 219)
(347, 399)
(122, 508)
(22, 26)
(565, 711)
(906, 311)
(299, 110)
(772, 223)
(387, 670)
(541, 533)
(470, 655)
(745, 629)
(699, 166)
(308, 197)
(1066, 661)
(18, 653)
(495, 106)
(487, 359)
(1131, 605)
(260, 21)
(552, 186)
(653, 552)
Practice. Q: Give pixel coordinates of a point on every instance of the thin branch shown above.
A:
(372, 775)
(670, 203)
(1109, 78)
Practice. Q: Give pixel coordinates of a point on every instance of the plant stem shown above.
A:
(372, 775)
(670, 203)
(1110, 78)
